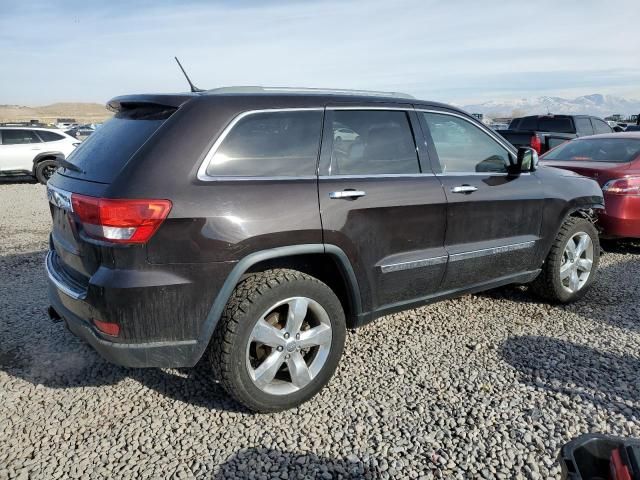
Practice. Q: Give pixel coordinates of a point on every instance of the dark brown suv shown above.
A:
(254, 226)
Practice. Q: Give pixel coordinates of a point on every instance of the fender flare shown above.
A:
(55, 154)
(247, 262)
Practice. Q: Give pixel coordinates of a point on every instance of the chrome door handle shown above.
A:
(347, 194)
(464, 189)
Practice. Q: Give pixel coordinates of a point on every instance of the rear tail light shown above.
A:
(109, 328)
(118, 220)
(536, 144)
(623, 186)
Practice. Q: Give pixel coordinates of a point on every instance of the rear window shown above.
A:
(265, 144)
(105, 153)
(618, 150)
(555, 124)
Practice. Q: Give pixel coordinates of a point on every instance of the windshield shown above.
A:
(618, 150)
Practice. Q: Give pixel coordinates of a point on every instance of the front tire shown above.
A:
(572, 263)
(45, 169)
(279, 340)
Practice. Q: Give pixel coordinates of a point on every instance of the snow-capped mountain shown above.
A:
(596, 104)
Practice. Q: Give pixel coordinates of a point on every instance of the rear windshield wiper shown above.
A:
(70, 166)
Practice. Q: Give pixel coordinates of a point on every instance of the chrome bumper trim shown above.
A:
(59, 282)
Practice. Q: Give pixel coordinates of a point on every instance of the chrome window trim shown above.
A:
(408, 108)
(377, 175)
(59, 282)
(477, 174)
(426, 262)
(486, 130)
(202, 171)
(491, 251)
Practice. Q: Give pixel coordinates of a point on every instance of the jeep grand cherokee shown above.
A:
(242, 226)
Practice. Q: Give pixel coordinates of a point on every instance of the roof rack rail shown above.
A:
(308, 90)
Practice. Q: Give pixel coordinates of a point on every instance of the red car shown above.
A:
(613, 160)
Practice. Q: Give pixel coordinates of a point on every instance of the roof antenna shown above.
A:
(194, 89)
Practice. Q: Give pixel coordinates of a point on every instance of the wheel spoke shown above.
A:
(265, 333)
(298, 369)
(574, 280)
(297, 313)
(316, 336)
(266, 371)
(571, 249)
(583, 244)
(585, 264)
(565, 270)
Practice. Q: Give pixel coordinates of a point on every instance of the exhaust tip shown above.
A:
(53, 315)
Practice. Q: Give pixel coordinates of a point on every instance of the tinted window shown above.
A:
(555, 124)
(270, 144)
(600, 126)
(47, 136)
(528, 123)
(370, 142)
(619, 150)
(18, 137)
(463, 147)
(103, 155)
(583, 126)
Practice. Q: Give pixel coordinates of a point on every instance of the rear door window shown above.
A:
(269, 144)
(47, 136)
(583, 126)
(372, 142)
(600, 126)
(19, 137)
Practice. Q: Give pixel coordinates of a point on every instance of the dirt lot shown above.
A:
(485, 386)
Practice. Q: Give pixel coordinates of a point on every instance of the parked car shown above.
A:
(232, 227)
(544, 132)
(632, 128)
(612, 160)
(35, 152)
(80, 132)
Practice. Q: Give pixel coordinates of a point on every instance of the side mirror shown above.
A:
(527, 161)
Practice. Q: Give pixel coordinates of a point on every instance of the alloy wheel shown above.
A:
(577, 262)
(289, 345)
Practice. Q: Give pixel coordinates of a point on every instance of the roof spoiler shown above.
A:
(126, 102)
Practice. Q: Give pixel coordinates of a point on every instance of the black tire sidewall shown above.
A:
(580, 225)
(41, 166)
(244, 387)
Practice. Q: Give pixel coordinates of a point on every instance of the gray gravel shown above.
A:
(485, 386)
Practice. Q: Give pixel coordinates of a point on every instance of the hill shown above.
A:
(596, 104)
(82, 112)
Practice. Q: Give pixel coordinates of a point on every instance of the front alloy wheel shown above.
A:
(577, 262)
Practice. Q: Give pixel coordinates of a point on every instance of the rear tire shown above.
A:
(572, 263)
(279, 340)
(45, 169)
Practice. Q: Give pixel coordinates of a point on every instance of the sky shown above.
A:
(454, 51)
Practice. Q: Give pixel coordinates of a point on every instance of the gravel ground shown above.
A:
(485, 386)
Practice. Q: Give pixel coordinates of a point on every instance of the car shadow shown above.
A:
(612, 299)
(607, 380)
(623, 247)
(268, 463)
(17, 179)
(43, 352)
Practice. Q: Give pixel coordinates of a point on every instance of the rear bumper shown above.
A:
(158, 330)
(621, 217)
(154, 354)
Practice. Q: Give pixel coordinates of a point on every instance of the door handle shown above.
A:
(347, 194)
(464, 189)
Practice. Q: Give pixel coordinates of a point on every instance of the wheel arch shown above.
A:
(279, 257)
(51, 155)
